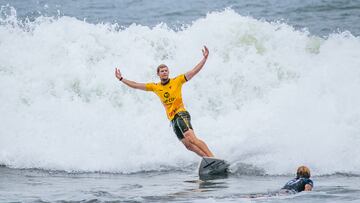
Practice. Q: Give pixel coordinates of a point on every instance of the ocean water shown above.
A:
(279, 90)
(44, 186)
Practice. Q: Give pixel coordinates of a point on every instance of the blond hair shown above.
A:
(303, 172)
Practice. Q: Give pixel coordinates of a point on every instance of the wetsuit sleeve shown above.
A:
(150, 86)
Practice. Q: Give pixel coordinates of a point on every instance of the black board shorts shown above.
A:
(181, 123)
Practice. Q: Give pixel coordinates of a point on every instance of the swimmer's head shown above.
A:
(303, 172)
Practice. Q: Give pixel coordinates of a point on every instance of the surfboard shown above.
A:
(213, 166)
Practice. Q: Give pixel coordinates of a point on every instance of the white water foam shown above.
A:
(269, 95)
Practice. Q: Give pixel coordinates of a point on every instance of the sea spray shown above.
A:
(269, 96)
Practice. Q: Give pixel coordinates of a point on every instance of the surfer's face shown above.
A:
(163, 73)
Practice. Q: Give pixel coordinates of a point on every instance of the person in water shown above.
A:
(169, 92)
(302, 182)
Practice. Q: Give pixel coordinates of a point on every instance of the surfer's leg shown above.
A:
(183, 129)
(190, 135)
(202, 143)
(193, 147)
(177, 127)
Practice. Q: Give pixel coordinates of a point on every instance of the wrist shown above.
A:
(121, 78)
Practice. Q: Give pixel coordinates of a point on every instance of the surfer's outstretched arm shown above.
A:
(133, 84)
(199, 66)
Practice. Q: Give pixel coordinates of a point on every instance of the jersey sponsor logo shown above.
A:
(168, 101)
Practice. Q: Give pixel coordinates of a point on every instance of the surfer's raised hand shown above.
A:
(205, 52)
(199, 66)
(118, 74)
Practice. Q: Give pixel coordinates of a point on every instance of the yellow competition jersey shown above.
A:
(169, 94)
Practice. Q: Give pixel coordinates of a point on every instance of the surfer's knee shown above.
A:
(190, 139)
(190, 136)
(189, 146)
(186, 143)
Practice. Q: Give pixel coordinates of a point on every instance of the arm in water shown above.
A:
(308, 187)
(199, 66)
(135, 85)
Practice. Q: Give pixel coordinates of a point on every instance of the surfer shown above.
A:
(169, 92)
(302, 182)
